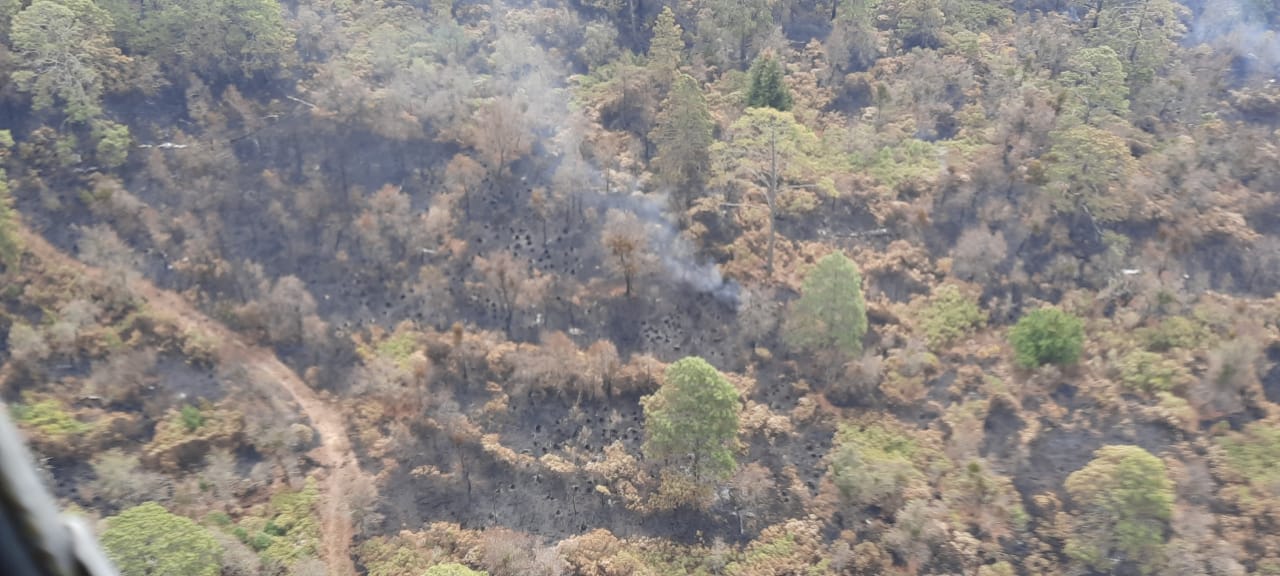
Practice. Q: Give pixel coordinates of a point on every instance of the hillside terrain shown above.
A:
(607, 288)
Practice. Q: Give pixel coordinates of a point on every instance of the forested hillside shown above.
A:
(628, 288)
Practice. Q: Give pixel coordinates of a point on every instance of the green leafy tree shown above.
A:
(694, 416)
(1047, 336)
(1253, 452)
(147, 540)
(730, 30)
(10, 247)
(830, 314)
(666, 48)
(771, 156)
(920, 23)
(768, 86)
(452, 569)
(1125, 500)
(683, 138)
(192, 419)
(213, 37)
(1151, 372)
(949, 315)
(873, 465)
(1097, 84)
(112, 143)
(1088, 168)
(1144, 33)
(65, 55)
(852, 42)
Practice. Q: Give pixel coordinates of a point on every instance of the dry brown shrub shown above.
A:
(505, 552)
(977, 254)
(599, 553)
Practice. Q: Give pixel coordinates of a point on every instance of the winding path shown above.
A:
(334, 453)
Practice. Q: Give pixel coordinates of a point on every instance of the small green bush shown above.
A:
(1150, 372)
(261, 541)
(273, 529)
(1047, 336)
(1175, 332)
(453, 569)
(1124, 499)
(872, 465)
(48, 417)
(949, 315)
(192, 419)
(1253, 454)
(218, 519)
(147, 539)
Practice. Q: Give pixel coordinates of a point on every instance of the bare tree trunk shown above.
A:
(1137, 35)
(772, 197)
(773, 238)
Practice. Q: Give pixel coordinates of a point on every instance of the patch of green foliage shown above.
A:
(694, 414)
(260, 541)
(830, 313)
(398, 346)
(1047, 336)
(1000, 568)
(949, 315)
(1125, 499)
(48, 417)
(669, 558)
(10, 247)
(978, 15)
(1173, 332)
(1179, 412)
(296, 530)
(192, 419)
(391, 556)
(112, 142)
(147, 540)
(452, 569)
(763, 553)
(1253, 453)
(218, 518)
(872, 464)
(768, 88)
(1150, 372)
(911, 159)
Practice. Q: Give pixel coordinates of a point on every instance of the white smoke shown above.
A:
(527, 71)
(1240, 26)
(676, 256)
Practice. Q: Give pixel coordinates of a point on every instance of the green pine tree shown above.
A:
(1047, 336)
(147, 540)
(693, 415)
(830, 314)
(768, 85)
(683, 139)
(666, 48)
(1125, 500)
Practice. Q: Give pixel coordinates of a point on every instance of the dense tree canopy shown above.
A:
(768, 88)
(452, 569)
(682, 137)
(693, 419)
(149, 541)
(66, 55)
(830, 314)
(1125, 500)
(1047, 336)
(451, 268)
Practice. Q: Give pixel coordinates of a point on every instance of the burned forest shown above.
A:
(606, 288)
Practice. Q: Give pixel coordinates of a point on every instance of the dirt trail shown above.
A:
(334, 452)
